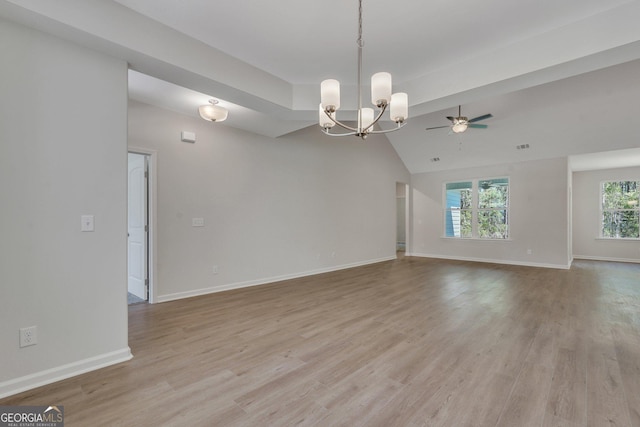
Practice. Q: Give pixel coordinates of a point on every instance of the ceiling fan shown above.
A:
(461, 123)
(485, 185)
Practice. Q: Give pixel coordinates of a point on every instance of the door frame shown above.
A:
(152, 194)
(407, 217)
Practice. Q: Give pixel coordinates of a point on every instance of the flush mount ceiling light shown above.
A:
(213, 112)
(381, 97)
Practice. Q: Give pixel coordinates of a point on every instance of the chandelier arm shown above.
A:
(339, 123)
(400, 126)
(326, 131)
(382, 110)
(374, 132)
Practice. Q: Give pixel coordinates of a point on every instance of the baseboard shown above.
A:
(28, 382)
(265, 281)
(600, 258)
(493, 261)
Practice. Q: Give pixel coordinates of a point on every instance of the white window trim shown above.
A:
(601, 210)
(475, 183)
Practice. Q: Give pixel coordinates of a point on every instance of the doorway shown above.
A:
(138, 228)
(401, 216)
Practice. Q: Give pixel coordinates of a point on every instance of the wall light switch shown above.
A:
(197, 222)
(86, 223)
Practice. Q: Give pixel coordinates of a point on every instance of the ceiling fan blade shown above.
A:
(477, 126)
(450, 118)
(477, 119)
(437, 127)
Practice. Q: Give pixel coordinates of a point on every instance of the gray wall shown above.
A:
(586, 217)
(273, 208)
(538, 215)
(63, 154)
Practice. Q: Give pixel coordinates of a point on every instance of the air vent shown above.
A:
(522, 147)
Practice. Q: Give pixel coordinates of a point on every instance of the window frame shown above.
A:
(447, 209)
(475, 209)
(602, 209)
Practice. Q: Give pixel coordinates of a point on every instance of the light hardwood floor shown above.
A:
(411, 342)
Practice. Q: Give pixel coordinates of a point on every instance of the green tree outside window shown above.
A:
(620, 210)
(477, 209)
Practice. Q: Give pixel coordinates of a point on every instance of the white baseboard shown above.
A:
(265, 281)
(493, 261)
(600, 258)
(28, 382)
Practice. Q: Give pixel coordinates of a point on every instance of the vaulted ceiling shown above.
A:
(561, 76)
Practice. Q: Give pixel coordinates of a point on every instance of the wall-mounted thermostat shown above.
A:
(186, 136)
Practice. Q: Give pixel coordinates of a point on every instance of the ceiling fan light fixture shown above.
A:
(212, 112)
(459, 126)
(462, 123)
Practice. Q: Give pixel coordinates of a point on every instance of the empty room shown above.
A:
(324, 214)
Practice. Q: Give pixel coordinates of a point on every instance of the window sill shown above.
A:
(475, 239)
(619, 239)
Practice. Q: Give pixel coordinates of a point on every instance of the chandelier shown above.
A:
(381, 97)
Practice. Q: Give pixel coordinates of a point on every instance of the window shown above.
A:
(620, 213)
(489, 219)
(458, 209)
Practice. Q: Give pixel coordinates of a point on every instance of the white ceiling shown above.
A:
(304, 42)
(560, 76)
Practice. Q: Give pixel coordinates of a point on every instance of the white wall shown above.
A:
(586, 217)
(273, 208)
(63, 115)
(538, 215)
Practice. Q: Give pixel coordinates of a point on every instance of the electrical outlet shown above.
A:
(215, 269)
(529, 251)
(28, 336)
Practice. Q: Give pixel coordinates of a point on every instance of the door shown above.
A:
(401, 217)
(137, 226)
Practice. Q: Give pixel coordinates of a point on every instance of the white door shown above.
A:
(137, 225)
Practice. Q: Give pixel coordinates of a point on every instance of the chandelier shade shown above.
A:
(399, 110)
(381, 97)
(366, 118)
(380, 89)
(330, 94)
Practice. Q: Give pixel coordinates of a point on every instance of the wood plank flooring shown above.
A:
(410, 342)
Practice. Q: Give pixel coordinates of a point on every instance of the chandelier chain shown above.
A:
(360, 44)
(360, 41)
